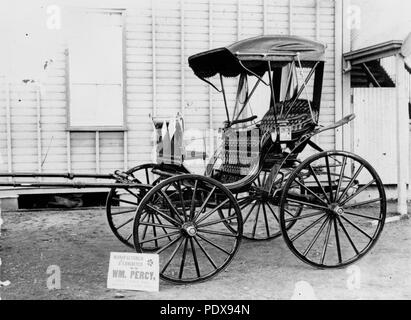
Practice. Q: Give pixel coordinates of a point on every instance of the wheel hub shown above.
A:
(336, 210)
(258, 193)
(189, 229)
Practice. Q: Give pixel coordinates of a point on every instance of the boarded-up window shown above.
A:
(96, 69)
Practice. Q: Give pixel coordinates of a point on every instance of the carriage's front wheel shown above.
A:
(192, 239)
(343, 209)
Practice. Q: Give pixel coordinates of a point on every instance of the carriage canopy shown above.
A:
(254, 53)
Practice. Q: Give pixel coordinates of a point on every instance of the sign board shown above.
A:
(133, 271)
(285, 133)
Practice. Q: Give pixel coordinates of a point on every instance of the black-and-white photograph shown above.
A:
(205, 150)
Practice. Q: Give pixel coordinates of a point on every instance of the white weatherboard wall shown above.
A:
(158, 39)
(374, 130)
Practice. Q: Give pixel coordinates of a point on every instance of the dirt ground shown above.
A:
(80, 242)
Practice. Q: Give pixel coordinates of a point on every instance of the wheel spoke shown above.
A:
(224, 234)
(357, 192)
(267, 228)
(306, 229)
(326, 240)
(256, 220)
(182, 200)
(206, 253)
(163, 227)
(362, 216)
(341, 177)
(249, 213)
(359, 204)
(204, 204)
(147, 176)
(230, 207)
(213, 244)
(289, 213)
(168, 245)
(327, 161)
(306, 204)
(350, 183)
(357, 227)
(195, 258)
(311, 192)
(155, 232)
(347, 235)
(273, 212)
(158, 225)
(125, 201)
(164, 215)
(171, 206)
(193, 200)
(172, 254)
(318, 182)
(245, 204)
(183, 259)
(337, 241)
(122, 212)
(308, 215)
(311, 244)
(145, 227)
(132, 193)
(161, 237)
(229, 218)
(124, 223)
(208, 214)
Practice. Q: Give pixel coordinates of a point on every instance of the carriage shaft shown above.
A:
(67, 175)
(77, 184)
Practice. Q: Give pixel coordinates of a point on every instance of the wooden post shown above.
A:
(38, 125)
(238, 19)
(210, 90)
(290, 17)
(182, 58)
(97, 146)
(409, 150)
(338, 72)
(265, 17)
(347, 137)
(8, 128)
(68, 150)
(125, 150)
(402, 135)
(153, 61)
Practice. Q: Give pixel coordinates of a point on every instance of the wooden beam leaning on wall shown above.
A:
(402, 127)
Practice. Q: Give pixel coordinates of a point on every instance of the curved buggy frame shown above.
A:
(330, 208)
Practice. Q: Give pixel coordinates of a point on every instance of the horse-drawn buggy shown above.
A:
(329, 208)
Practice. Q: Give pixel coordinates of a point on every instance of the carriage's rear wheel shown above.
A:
(261, 214)
(192, 240)
(343, 209)
(122, 203)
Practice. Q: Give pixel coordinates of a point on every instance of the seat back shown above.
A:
(298, 119)
(237, 155)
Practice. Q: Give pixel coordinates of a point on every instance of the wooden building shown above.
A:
(79, 83)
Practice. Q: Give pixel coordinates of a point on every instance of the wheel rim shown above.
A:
(122, 203)
(343, 210)
(192, 240)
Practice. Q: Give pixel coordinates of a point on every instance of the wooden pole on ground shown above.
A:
(402, 128)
